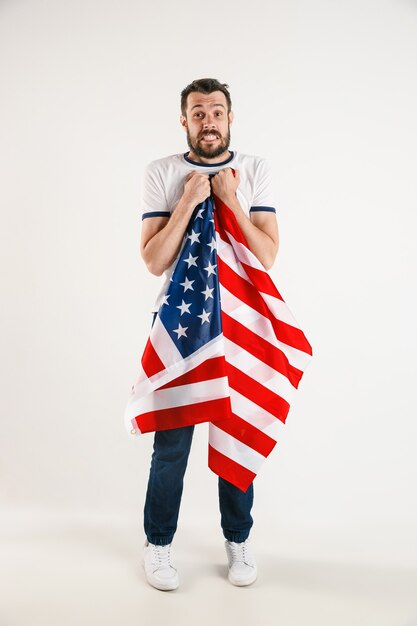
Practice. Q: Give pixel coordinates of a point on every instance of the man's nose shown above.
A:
(208, 121)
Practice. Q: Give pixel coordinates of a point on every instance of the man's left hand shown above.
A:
(224, 184)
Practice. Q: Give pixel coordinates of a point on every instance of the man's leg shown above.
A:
(235, 508)
(169, 461)
(236, 521)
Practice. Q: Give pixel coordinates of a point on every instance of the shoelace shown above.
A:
(240, 552)
(161, 555)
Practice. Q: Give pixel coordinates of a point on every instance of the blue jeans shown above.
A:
(163, 497)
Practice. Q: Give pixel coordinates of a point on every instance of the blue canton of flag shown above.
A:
(190, 310)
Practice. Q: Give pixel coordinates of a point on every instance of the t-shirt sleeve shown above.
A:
(154, 202)
(264, 192)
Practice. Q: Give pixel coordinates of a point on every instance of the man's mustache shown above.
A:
(205, 134)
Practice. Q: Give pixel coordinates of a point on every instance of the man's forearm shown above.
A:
(261, 244)
(162, 249)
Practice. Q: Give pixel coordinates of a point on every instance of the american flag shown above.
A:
(224, 349)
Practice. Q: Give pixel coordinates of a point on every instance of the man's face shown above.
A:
(207, 124)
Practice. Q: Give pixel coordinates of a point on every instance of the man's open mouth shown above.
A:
(209, 137)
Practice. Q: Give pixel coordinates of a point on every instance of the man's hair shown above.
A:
(205, 85)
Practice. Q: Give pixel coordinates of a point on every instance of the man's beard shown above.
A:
(208, 153)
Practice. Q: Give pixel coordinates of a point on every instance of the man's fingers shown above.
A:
(223, 171)
(194, 173)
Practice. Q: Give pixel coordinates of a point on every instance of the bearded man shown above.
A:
(172, 187)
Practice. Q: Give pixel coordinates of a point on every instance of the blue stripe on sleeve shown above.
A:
(271, 209)
(156, 214)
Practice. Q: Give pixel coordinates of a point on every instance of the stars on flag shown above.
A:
(208, 292)
(193, 289)
(194, 237)
(181, 331)
(212, 245)
(191, 260)
(210, 269)
(187, 284)
(204, 316)
(184, 308)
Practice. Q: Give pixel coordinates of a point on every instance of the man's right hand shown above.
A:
(162, 237)
(196, 188)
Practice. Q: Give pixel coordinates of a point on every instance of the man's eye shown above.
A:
(219, 112)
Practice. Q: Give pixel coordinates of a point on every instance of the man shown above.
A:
(173, 187)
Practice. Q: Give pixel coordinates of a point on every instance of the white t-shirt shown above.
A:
(163, 186)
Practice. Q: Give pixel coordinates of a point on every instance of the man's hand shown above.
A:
(224, 184)
(259, 229)
(196, 188)
(162, 237)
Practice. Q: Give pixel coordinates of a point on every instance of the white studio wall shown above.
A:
(327, 92)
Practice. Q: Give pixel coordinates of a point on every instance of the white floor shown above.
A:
(78, 572)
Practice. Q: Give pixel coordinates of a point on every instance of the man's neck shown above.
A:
(208, 161)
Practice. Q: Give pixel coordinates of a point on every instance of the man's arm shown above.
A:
(260, 230)
(161, 237)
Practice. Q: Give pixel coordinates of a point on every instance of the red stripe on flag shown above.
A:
(257, 393)
(229, 221)
(260, 348)
(179, 416)
(151, 362)
(248, 294)
(247, 434)
(212, 368)
(220, 229)
(229, 469)
(258, 277)
(262, 280)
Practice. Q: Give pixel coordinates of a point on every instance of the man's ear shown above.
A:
(231, 117)
(183, 121)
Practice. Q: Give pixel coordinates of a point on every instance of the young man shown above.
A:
(173, 187)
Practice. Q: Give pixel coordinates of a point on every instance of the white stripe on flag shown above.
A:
(181, 395)
(225, 252)
(254, 414)
(262, 373)
(238, 309)
(244, 254)
(163, 344)
(277, 306)
(280, 309)
(234, 449)
(261, 326)
(213, 348)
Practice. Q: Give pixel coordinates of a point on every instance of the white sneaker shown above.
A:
(242, 566)
(159, 567)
